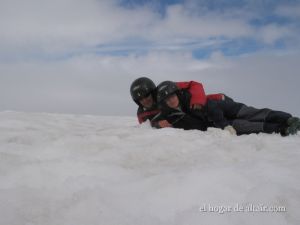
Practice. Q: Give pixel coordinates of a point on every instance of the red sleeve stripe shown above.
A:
(142, 117)
(215, 97)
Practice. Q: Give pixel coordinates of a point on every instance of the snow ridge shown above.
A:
(81, 169)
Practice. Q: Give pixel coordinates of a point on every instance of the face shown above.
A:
(147, 102)
(172, 101)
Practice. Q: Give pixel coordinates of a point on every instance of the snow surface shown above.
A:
(86, 170)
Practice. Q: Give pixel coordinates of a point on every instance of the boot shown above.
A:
(293, 124)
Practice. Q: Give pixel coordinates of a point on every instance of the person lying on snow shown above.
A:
(143, 92)
(226, 114)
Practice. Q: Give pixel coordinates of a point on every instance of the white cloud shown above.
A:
(290, 11)
(100, 84)
(60, 27)
(37, 29)
(271, 33)
(66, 24)
(181, 24)
(86, 84)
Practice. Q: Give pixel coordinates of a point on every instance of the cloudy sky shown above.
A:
(75, 56)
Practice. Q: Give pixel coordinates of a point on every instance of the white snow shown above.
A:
(79, 169)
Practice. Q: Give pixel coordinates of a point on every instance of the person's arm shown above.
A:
(196, 90)
(159, 121)
(190, 123)
(216, 114)
(146, 115)
(179, 119)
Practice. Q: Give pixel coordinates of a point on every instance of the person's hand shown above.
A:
(196, 106)
(230, 129)
(164, 123)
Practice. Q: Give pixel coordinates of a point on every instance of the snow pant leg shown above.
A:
(272, 127)
(252, 114)
(247, 127)
(278, 117)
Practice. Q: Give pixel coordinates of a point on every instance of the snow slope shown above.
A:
(74, 169)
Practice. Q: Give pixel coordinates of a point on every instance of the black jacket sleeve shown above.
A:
(179, 119)
(154, 121)
(216, 114)
(190, 123)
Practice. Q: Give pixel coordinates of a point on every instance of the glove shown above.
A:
(230, 129)
(164, 123)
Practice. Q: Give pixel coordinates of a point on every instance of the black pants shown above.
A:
(252, 120)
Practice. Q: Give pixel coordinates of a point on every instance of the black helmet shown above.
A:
(141, 88)
(166, 89)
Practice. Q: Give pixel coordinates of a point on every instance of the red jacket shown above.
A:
(198, 94)
(196, 90)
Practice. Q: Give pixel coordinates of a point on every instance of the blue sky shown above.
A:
(258, 15)
(123, 27)
(57, 54)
